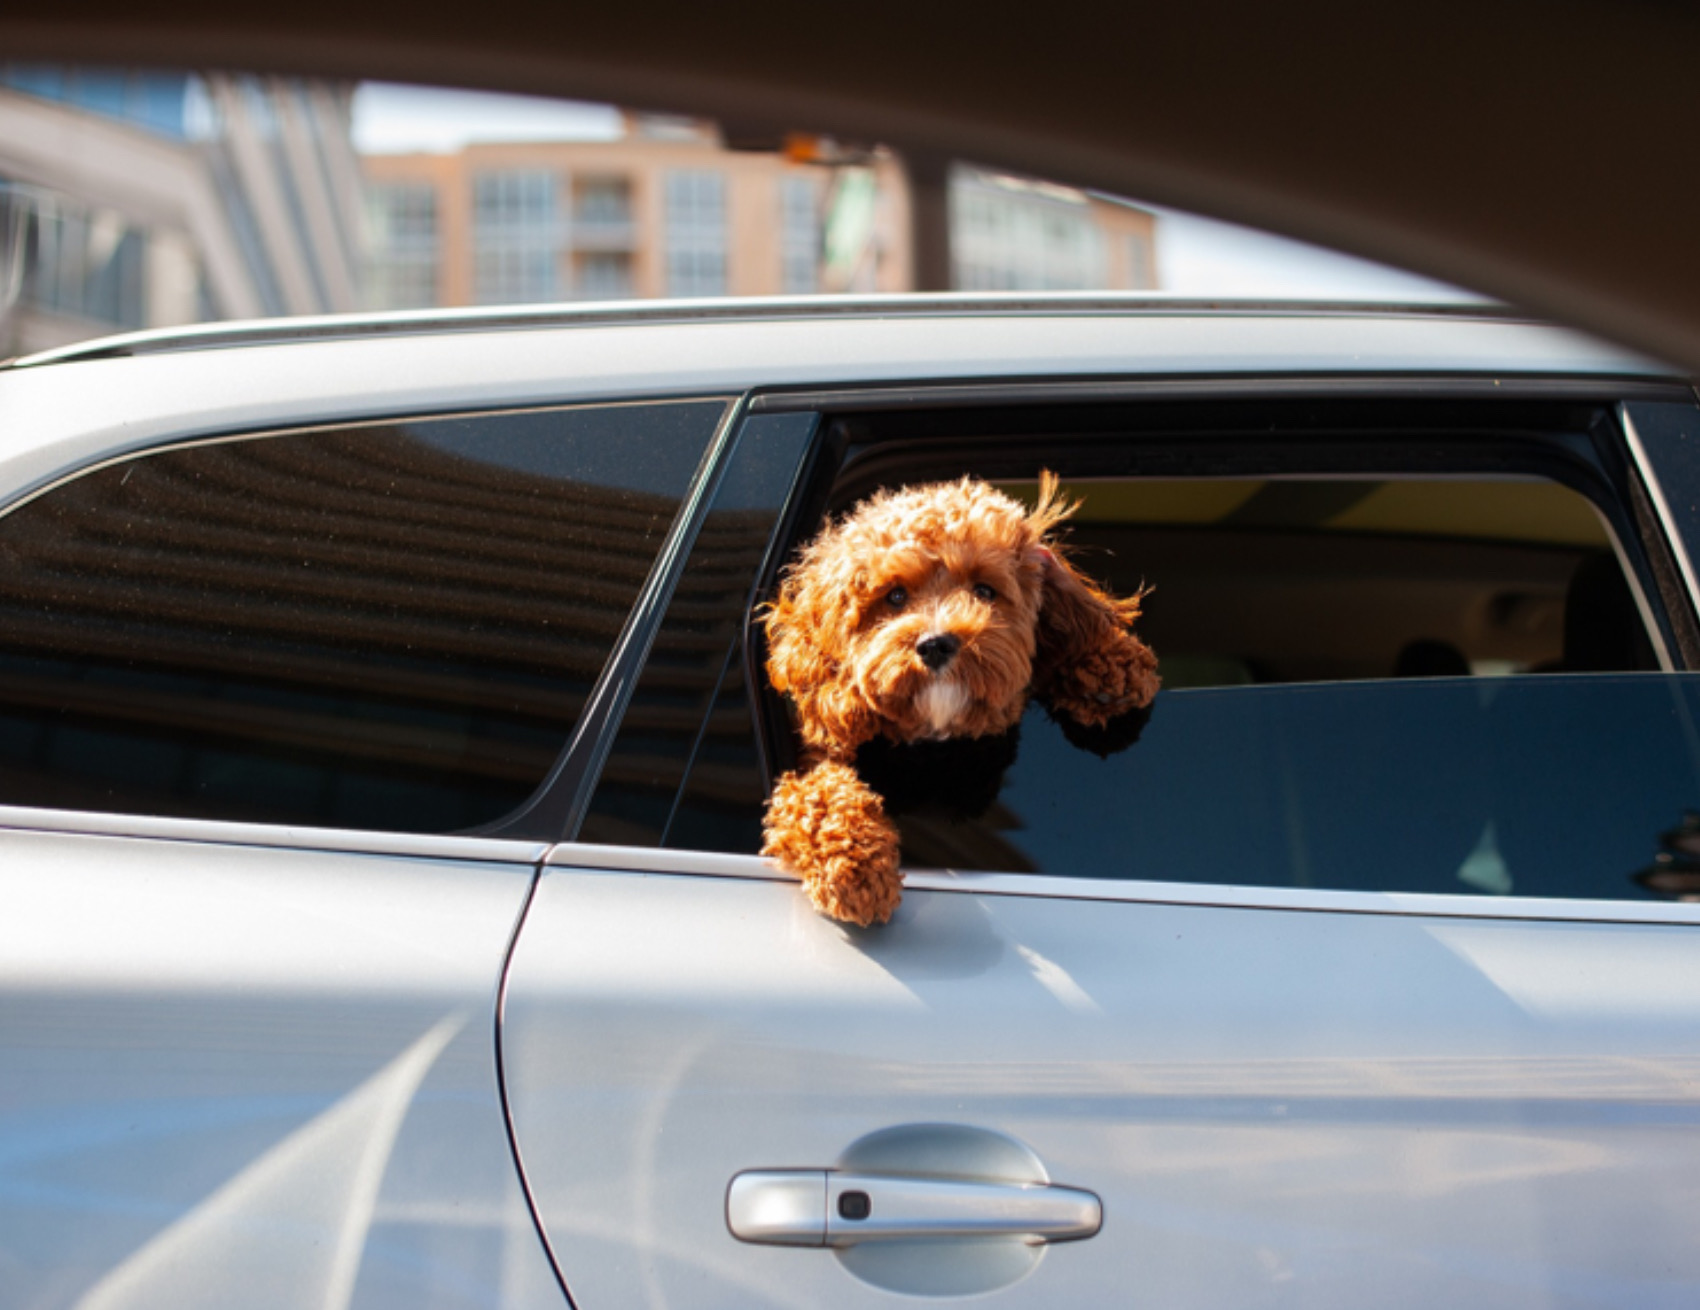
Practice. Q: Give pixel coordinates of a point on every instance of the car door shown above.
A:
(1327, 992)
(258, 695)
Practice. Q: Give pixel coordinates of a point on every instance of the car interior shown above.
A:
(1297, 580)
(1363, 547)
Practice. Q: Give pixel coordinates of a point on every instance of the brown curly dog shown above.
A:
(928, 613)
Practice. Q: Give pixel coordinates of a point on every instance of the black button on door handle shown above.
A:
(854, 1205)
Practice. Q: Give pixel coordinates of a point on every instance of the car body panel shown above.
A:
(231, 1073)
(1474, 1112)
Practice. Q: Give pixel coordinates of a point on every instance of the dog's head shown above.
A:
(925, 613)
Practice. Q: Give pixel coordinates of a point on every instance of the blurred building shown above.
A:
(667, 210)
(158, 198)
(152, 199)
(1012, 234)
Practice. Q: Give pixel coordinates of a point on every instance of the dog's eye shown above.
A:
(897, 598)
(984, 592)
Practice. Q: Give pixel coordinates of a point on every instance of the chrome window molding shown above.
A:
(217, 832)
(1661, 506)
(646, 861)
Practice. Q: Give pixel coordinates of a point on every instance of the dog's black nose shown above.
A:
(938, 651)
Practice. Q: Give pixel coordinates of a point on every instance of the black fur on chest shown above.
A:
(958, 777)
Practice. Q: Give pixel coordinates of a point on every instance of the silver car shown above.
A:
(383, 746)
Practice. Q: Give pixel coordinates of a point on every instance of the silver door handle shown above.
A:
(823, 1207)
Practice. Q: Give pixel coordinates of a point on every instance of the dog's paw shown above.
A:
(1105, 683)
(1105, 739)
(826, 826)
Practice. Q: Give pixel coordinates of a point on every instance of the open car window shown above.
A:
(1388, 684)
(1381, 683)
(1302, 579)
(1430, 666)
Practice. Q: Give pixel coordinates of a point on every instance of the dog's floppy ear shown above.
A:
(1088, 668)
(807, 625)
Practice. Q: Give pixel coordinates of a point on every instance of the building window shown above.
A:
(799, 236)
(603, 200)
(696, 234)
(1013, 235)
(1141, 264)
(603, 275)
(604, 237)
(86, 263)
(152, 100)
(401, 270)
(517, 237)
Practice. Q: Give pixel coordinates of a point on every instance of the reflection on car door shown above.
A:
(1275, 1106)
(264, 1078)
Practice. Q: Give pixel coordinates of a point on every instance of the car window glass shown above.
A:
(389, 626)
(1559, 785)
(688, 714)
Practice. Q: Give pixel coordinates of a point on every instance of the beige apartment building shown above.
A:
(667, 211)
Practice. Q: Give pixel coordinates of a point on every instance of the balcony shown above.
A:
(604, 234)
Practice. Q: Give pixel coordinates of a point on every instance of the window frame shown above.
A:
(1619, 485)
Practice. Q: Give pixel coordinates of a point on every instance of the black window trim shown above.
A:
(953, 393)
(555, 810)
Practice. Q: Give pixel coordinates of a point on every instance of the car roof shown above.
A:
(1284, 333)
(218, 334)
(99, 400)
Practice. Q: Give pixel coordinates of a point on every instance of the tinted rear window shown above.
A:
(389, 626)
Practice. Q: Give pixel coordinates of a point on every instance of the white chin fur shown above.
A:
(941, 703)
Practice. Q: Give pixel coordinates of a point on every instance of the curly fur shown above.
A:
(829, 825)
(971, 574)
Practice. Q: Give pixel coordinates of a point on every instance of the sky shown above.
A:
(1203, 257)
(390, 119)
(1195, 256)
